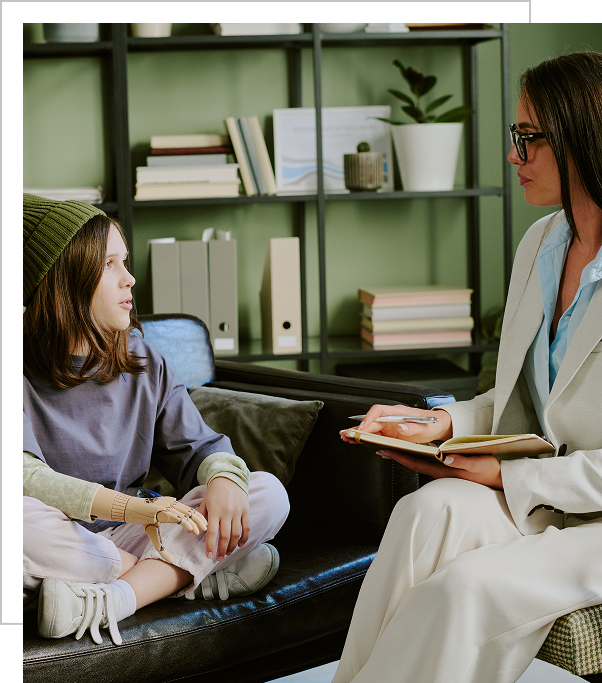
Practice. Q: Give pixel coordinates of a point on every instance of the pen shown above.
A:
(397, 418)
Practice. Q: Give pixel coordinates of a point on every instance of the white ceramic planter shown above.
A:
(151, 30)
(427, 154)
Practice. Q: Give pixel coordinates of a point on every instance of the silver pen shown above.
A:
(397, 418)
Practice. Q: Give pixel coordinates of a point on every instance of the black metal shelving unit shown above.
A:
(114, 48)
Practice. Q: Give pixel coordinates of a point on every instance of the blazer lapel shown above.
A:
(519, 335)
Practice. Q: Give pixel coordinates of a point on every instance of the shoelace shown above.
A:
(207, 586)
(99, 611)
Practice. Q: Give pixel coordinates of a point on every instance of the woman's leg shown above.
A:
(457, 595)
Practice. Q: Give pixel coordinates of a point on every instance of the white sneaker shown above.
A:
(245, 576)
(65, 607)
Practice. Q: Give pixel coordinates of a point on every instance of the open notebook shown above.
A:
(517, 445)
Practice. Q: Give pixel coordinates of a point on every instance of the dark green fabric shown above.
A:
(267, 432)
(48, 227)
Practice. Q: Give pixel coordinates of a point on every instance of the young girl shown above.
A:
(99, 407)
(475, 567)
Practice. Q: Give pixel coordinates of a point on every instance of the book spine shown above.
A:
(171, 141)
(187, 160)
(262, 153)
(186, 174)
(417, 325)
(241, 157)
(222, 149)
(247, 140)
(186, 190)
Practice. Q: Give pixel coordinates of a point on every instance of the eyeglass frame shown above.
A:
(519, 139)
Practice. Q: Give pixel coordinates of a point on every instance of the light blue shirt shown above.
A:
(543, 359)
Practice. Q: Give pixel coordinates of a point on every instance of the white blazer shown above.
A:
(569, 483)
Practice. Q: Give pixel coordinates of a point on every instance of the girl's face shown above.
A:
(112, 300)
(539, 174)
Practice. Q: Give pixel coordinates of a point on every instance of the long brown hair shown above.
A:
(59, 317)
(566, 96)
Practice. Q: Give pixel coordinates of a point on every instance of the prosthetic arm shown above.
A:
(149, 512)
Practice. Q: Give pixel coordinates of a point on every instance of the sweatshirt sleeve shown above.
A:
(224, 465)
(70, 495)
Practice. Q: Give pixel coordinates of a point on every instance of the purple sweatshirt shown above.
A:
(112, 433)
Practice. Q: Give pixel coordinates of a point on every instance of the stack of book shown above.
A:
(256, 29)
(256, 169)
(413, 317)
(89, 195)
(188, 167)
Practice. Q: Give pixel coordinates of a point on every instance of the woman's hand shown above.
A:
(226, 507)
(482, 469)
(409, 431)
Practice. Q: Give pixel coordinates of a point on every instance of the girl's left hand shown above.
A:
(226, 507)
(482, 469)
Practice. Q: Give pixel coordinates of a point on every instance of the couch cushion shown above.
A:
(312, 595)
(267, 432)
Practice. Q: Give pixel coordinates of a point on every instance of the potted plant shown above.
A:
(427, 151)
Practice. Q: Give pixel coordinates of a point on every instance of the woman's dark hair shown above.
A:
(565, 93)
(59, 317)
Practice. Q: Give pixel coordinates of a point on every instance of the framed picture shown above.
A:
(342, 129)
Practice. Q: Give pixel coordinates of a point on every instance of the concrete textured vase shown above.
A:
(363, 171)
(427, 154)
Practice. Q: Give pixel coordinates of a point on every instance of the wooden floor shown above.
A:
(538, 672)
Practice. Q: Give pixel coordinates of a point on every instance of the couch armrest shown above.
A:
(340, 492)
(410, 394)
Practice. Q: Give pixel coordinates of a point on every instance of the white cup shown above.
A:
(151, 30)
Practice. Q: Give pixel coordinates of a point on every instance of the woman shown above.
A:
(475, 567)
(100, 406)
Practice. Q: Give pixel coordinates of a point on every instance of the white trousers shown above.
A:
(456, 594)
(54, 545)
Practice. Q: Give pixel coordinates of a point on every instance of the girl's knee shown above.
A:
(269, 491)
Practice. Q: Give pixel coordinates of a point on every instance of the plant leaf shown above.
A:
(401, 96)
(400, 66)
(414, 113)
(393, 123)
(456, 115)
(426, 83)
(436, 103)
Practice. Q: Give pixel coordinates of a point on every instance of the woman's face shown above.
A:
(539, 174)
(112, 300)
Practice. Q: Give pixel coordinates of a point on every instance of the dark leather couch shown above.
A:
(341, 498)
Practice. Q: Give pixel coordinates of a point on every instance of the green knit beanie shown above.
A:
(48, 227)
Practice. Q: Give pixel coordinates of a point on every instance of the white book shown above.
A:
(417, 324)
(187, 160)
(156, 191)
(195, 140)
(416, 312)
(187, 174)
(386, 28)
(262, 153)
(256, 29)
(247, 139)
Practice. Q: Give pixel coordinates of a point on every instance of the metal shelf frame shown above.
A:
(120, 201)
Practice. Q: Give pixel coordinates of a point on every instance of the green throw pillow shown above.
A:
(267, 432)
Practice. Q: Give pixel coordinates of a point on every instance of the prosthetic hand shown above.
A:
(149, 512)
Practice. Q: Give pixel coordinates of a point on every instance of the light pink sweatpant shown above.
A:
(54, 545)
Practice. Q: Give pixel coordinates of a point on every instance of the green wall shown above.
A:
(368, 242)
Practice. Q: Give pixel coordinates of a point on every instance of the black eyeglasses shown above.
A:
(519, 140)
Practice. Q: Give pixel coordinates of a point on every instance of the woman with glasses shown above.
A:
(475, 567)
